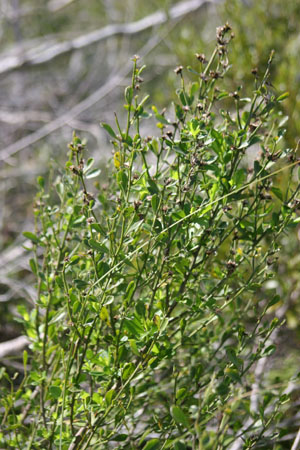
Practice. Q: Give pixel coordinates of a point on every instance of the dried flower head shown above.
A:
(178, 70)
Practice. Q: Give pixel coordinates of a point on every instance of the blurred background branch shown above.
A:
(49, 51)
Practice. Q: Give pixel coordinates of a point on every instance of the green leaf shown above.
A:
(179, 416)
(119, 437)
(222, 95)
(92, 173)
(268, 108)
(152, 187)
(60, 189)
(98, 227)
(79, 221)
(233, 374)
(144, 100)
(160, 117)
(59, 282)
(97, 246)
(133, 346)
(133, 326)
(54, 392)
(128, 370)
(239, 177)
(109, 129)
(74, 260)
(153, 444)
(276, 191)
(25, 359)
(80, 284)
(283, 96)
(231, 354)
(182, 97)
(110, 396)
(194, 88)
(275, 219)
(33, 266)
(273, 301)
(254, 140)
(245, 144)
(269, 350)
(179, 112)
(213, 191)
(122, 180)
(154, 202)
(180, 393)
(89, 164)
(129, 94)
(41, 182)
(33, 237)
(130, 291)
(102, 268)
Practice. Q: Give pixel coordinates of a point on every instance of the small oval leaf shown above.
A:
(109, 129)
(179, 416)
(153, 444)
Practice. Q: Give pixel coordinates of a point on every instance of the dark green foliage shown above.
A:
(152, 310)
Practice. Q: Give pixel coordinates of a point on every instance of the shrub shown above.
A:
(151, 309)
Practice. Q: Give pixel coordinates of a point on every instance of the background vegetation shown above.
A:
(44, 97)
